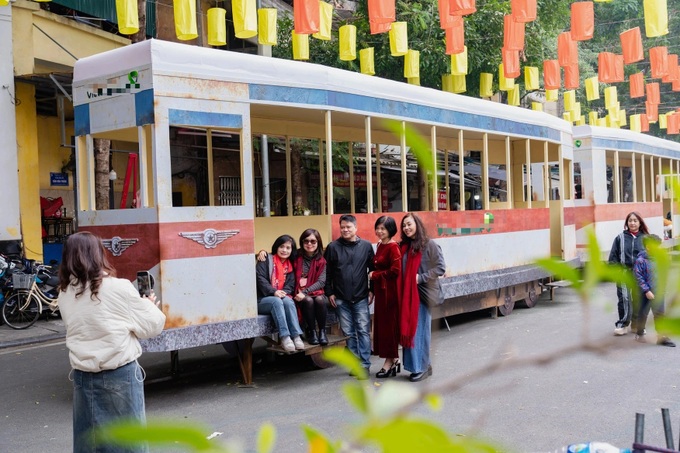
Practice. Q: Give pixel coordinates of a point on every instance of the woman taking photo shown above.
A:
(625, 250)
(386, 279)
(275, 284)
(422, 265)
(104, 317)
(310, 280)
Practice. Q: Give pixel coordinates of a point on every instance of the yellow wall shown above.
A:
(27, 157)
(52, 156)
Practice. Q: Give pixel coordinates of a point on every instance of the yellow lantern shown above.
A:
(566, 116)
(245, 18)
(622, 118)
(576, 111)
(551, 95)
(581, 121)
(325, 21)
(592, 118)
(538, 106)
(348, 42)
(513, 95)
(300, 46)
(217, 27)
(485, 85)
(530, 78)
(569, 100)
(398, 39)
(458, 83)
(413, 80)
(412, 64)
(459, 62)
(656, 18)
(4, 2)
(447, 83)
(663, 123)
(185, 19)
(602, 122)
(612, 121)
(266, 27)
(610, 97)
(366, 61)
(635, 123)
(592, 89)
(126, 12)
(504, 84)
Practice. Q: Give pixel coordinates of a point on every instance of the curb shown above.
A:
(32, 340)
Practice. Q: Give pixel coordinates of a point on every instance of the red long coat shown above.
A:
(386, 280)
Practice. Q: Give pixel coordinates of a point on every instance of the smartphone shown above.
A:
(144, 283)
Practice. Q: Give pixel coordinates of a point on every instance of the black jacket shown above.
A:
(263, 276)
(626, 248)
(347, 268)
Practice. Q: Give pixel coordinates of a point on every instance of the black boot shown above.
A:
(311, 337)
(323, 339)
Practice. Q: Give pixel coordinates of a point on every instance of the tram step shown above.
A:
(333, 340)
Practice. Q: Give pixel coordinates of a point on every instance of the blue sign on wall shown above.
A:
(58, 179)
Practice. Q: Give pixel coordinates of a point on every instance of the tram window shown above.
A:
(578, 187)
(190, 149)
(473, 181)
(498, 184)
(626, 183)
(610, 184)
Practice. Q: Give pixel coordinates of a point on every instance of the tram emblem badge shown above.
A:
(117, 245)
(210, 238)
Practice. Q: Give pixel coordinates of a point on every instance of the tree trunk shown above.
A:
(141, 13)
(423, 189)
(102, 148)
(296, 175)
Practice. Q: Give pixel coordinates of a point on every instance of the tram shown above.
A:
(226, 151)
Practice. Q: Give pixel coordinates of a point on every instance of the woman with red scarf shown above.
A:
(422, 265)
(275, 284)
(310, 281)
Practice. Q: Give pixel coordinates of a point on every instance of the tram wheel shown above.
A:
(319, 361)
(531, 299)
(507, 306)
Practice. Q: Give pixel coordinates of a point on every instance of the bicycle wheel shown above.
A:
(19, 312)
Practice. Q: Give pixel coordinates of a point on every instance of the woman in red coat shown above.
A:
(386, 287)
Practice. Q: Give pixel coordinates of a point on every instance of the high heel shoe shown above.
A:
(391, 372)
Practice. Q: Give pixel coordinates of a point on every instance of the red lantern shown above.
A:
(637, 85)
(523, 10)
(567, 51)
(653, 95)
(582, 21)
(513, 34)
(571, 77)
(551, 75)
(306, 16)
(510, 63)
(462, 7)
(455, 36)
(658, 60)
(631, 45)
(381, 12)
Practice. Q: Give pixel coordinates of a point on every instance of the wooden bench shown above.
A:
(552, 285)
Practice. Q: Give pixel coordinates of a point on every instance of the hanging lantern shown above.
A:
(455, 36)
(531, 78)
(652, 111)
(267, 34)
(412, 64)
(576, 111)
(459, 62)
(635, 123)
(366, 61)
(672, 64)
(306, 17)
(300, 46)
(622, 118)
(4, 2)
(676, 85)
(606, 67)
(347, 35)
(510, 63)
(513, 95)
(658, 61)
(644, 123)
(398, 39)
(523, 10)
(485, 85)
(325, 21)
(569, 100)
(445, 19)
(662, 121)
(462, 7)
(592, 118)
(582, 21)
(656, 18)
(538, 106)
(567, 50)
(413, 81)
(185, 19)
(381, 12)
(673, 121)
(217, 27)
(637, 85)
(566, 116)
(592, 89)
(551, 95)
(653, 94)
(619, 74)
(458, 83)
(571, 77)
(513, 34)
(504, 83)
(551, 75)
(631, 45)
(126, 12)
(612, 121)
(581, 121)
(245, 18)
(380, 27)
(610, 97)
(447, 83)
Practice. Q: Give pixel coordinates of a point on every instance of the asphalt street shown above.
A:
(577, 397)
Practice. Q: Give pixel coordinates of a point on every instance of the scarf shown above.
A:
(315, 267)
(281, 268)
(410, 298)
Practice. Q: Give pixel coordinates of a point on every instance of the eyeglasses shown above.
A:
(310, 241)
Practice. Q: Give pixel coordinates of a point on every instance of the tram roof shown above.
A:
(285, 82)
(625, 140)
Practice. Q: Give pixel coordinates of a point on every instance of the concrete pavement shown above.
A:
(42, 331)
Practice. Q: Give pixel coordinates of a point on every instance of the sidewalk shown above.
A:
(40, 332)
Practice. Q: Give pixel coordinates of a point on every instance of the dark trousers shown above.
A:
(656, 306)
(628, 305)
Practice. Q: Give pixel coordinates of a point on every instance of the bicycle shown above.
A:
(23, 308)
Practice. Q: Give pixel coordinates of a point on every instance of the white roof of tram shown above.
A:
(625, 140)
(169, 58)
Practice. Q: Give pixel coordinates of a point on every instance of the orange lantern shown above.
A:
(582, 21)
(637, 85)
(571, 77)
(644, 123)
(619, 74)
(510, 63)
(455, 36)
(445, 18)
(551, 75)
(653, 94)
(306, 16)
(567, 52)
(523, 10)
(652, 112)
(631, 44)
(676, 85)
(606, 67)
(462, 7)
(381, 12)
(658, 61)
(380, 28)
(672, 63)
(513, 34)
(673, 123)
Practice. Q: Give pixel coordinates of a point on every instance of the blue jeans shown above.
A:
(417, 358)
(100, 398)
(283, 312)
(355, 322)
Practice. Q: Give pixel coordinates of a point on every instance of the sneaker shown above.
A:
(620, 331)
(287, 344)
(665, 341)
(640, 338)
(299, 345)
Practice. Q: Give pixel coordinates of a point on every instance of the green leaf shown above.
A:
(266, 438)
(668, 326)
(342, 357)
(392, 397)
(356, 395)
(417, 145)
(434, 401)
(562, 270)
(318, 442)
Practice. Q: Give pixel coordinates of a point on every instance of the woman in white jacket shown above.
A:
(104, 317)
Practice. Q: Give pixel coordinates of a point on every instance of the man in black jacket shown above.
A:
(349, 259)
